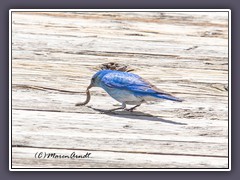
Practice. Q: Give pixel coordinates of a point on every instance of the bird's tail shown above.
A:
(168, 97)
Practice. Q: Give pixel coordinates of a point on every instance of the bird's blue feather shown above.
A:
(131, 82)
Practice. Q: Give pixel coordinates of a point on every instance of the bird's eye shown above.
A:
(92, 79)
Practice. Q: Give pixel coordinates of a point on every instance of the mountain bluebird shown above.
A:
(128, 88)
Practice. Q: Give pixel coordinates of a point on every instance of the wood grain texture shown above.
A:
(54, 55)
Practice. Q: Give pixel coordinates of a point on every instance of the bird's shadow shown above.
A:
(135, 115)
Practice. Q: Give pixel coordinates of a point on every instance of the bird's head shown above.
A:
(96, 78)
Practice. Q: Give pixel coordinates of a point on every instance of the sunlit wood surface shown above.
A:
(54, 55)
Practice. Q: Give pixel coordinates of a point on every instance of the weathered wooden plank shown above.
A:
(88, 131)
(76, 41)
(54, 56)
(195, 106)
(24, 157)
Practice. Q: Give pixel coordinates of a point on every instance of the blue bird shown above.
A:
(128, 88)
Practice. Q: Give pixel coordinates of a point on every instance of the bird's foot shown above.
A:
(111, 110)
(119, 108)
(131, 109)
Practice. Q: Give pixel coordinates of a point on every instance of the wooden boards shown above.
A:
(54, 55)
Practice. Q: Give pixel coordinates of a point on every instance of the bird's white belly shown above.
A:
(124, 96)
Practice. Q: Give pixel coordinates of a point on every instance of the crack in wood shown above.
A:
(44, 88)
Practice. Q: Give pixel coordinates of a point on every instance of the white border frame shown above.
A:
(122, 10)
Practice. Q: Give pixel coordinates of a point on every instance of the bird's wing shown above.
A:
(135, 84)
(131, 82)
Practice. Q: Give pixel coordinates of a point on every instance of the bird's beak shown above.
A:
(90, 86)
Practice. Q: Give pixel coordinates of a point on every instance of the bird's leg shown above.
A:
(131, 109)
(122, 107)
